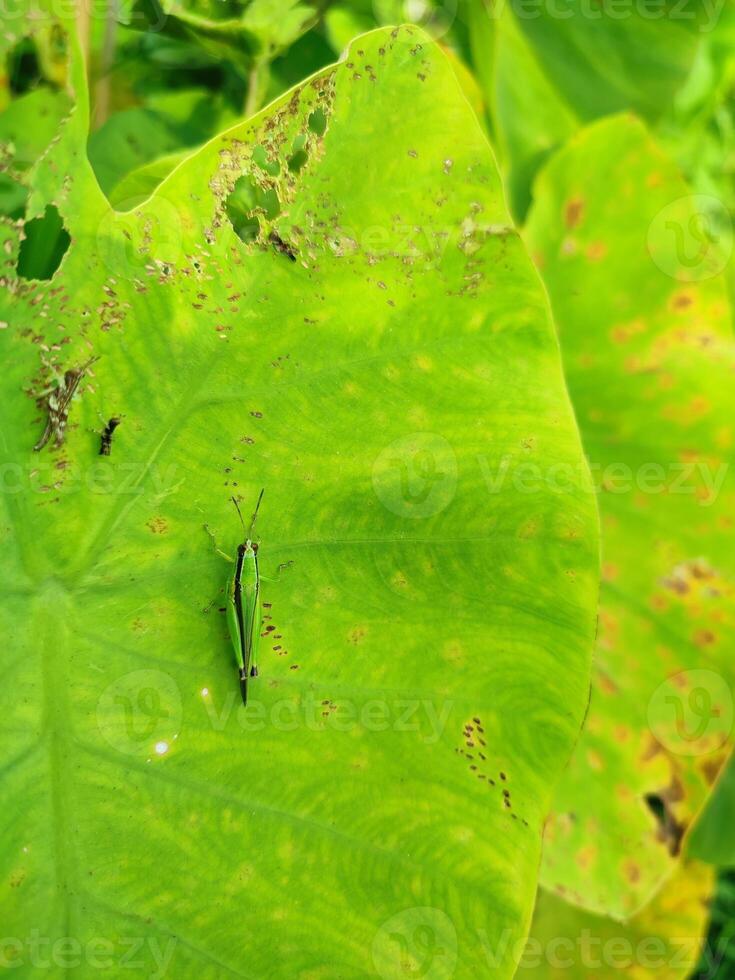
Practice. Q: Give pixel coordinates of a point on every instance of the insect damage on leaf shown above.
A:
(670, 831)
(475, 750)
(280, 246)
(57, 404)
(254, 184)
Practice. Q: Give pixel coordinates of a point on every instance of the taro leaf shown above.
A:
(550, 71)
(265, 28)
(663, 941)
(27, 126)
(712, 838)
(425, 665)
(643, 317)
(132, 138)
(140, 183)
(29, 123)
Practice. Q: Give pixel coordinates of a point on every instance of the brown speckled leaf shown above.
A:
(643, 319)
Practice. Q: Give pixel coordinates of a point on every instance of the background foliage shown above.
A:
(615, 139)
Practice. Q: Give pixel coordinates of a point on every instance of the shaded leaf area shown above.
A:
(666, 940)
(28, 124)
(545, 74)
(140, 183)
(244, 32)
(138, 137)
(720, 946)
(698, 129)
(424, 668)
(644, 323)
(712, 838)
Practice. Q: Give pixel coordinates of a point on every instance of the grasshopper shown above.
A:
(57, 405)
(244, 612)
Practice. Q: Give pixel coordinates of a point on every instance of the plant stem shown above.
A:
(256, 82)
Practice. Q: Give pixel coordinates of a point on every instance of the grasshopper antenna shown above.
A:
(255, 512)
(237, 508)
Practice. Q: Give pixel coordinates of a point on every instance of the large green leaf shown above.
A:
(378, 806)
(644, 323)
(546, 69)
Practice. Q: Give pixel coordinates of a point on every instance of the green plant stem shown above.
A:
(256, 86)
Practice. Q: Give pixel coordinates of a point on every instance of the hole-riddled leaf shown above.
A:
(380, 359)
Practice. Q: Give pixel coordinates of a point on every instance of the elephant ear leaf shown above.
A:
(650, 373)
(328, 302)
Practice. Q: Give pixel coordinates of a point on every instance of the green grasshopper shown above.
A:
(244, 612)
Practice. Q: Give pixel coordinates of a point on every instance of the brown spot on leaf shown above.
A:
(596, 251)
(711, 768)
(573, 212)
(704, 638)
(682, 301)
(632, 872)
(357, 635)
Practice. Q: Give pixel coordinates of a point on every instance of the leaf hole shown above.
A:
(13, 198)
(262, 160)
(244, 204)
(318, 122)
(44, 246)
(24, 71)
